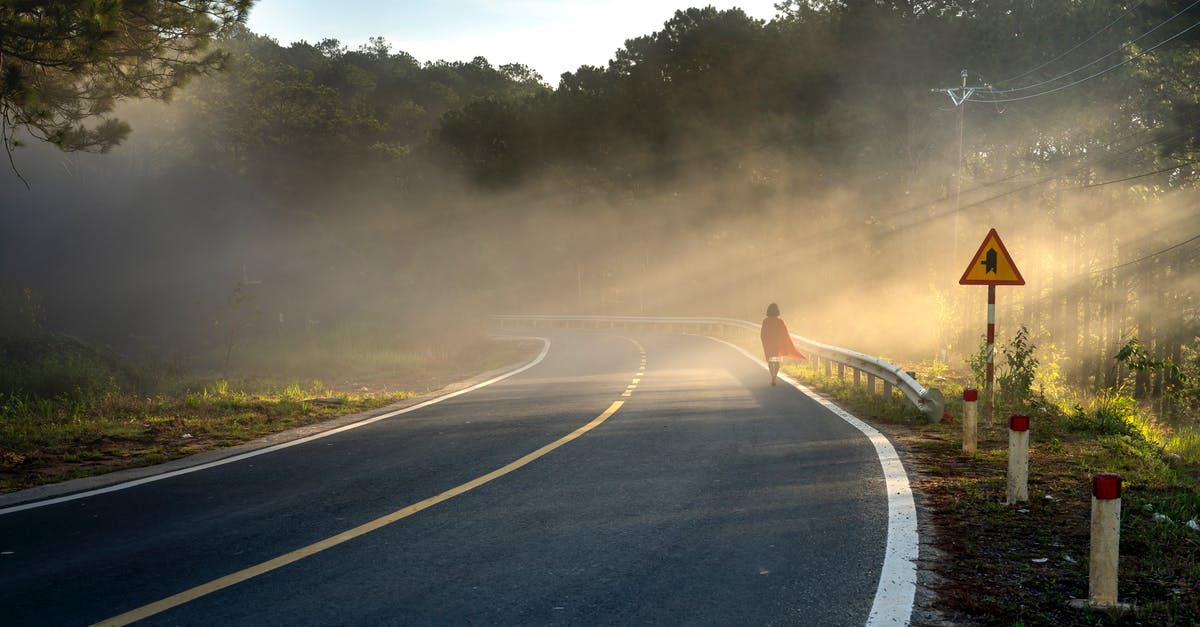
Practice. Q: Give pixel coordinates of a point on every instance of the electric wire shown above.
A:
(1138, 176)
(1150, 256)
(1095, 61)
(1108, 159)
(1076, 47)
(900, 221)
(1086, 78)
(1082, 282)
(898, 229)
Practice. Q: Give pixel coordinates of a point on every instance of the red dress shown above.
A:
(775, 339)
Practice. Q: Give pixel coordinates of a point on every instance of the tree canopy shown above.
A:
(684, 172)
(65, 63)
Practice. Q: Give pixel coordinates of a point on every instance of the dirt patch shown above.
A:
(984, 562)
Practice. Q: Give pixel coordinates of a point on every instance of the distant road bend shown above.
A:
(620, 478)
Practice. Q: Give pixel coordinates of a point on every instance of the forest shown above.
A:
(844, 159)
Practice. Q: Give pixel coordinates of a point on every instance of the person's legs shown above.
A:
(773, 366)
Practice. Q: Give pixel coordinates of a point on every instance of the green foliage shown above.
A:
(716, 116)
(856, 397)
(1181, 390)
(1135, 357)
(1016, 374)
(64, 63)
(362, 116)
(1112, 412)
(52, 367)
(977, 362)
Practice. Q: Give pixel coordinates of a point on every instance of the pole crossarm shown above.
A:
(958, 95)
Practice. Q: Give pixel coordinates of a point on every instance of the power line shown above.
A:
(1095, 61)
(972, 98)
(1150, 256)
(1078, 282)
(1138, 176)
(1104, 160)
(950, 211)
(1076, 47)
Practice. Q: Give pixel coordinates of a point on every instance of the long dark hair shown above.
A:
(772, 310)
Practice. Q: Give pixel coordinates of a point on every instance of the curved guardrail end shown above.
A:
(933, 404)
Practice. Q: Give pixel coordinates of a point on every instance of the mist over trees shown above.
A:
(710, 167)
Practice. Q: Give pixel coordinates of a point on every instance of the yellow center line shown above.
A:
(294, 556)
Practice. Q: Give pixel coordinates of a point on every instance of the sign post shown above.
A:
(991, 266)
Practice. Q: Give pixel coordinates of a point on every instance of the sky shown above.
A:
(550, 36)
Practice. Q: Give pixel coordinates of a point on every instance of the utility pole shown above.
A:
(962, 116)
(959, 96)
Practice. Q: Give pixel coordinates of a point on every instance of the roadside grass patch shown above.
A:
(104, 428)
(894, 409)
(1039, 549)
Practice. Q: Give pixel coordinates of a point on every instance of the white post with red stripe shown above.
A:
(970, 420)
(1106, 539)
(1106, 543)
(1018, 459)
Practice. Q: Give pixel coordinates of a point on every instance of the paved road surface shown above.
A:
(708, 497)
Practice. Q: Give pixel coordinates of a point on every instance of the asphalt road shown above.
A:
(708, 497)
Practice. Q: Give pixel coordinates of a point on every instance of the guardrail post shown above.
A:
(828, 368)
(970, 420)
(887, 389)
(842, 372)
(857, 377)
(1106, 540)
(871, 383)
(1018, 459)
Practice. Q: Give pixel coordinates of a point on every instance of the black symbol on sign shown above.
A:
(989, 261)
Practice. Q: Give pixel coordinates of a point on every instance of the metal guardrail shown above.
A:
(928, 401)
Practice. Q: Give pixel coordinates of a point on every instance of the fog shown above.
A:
(163, 253)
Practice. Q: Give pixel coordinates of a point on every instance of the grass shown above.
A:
(89, 429)
(73, 430)
(119, 430)
(1020, 565)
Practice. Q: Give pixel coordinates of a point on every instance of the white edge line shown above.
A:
(896, 594)
(271, 449)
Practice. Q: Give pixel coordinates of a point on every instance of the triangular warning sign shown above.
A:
(992, 265)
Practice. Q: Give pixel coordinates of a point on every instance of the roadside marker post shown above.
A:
(991, 266)
(970, 420)
(1106, 542)
(1018, 459)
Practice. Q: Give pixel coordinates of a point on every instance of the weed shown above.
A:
(1017, 373)
(977, 362)
(1184, 442)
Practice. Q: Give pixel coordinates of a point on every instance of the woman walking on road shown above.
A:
(776, 341)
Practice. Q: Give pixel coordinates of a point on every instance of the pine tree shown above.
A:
(65, 63)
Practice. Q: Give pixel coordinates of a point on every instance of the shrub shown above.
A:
(1113, 412)
(60, 367)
